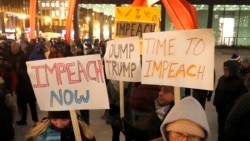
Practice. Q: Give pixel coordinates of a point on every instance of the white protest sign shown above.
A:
(70, 83)
(122, 60)
(179, 58)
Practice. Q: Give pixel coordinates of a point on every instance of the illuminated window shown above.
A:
(66, 4)
(62, 4)
(57, 12)
(43, 4)
(47, 4)
(57, 3)
(53, 4)
(53, 13)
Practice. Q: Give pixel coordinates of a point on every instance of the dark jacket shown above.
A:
(151, 131)
(37, 54)
(24, 87)
(142, 97)
(6, 118)
(238, 121)
(230, 88)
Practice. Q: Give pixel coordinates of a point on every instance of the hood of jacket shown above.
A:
(187, 109)
(233, 66)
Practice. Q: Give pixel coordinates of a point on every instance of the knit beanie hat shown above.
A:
(59, 115)
(236, 57)
(187, 127)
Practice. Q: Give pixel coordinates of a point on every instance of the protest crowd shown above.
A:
(150, 111)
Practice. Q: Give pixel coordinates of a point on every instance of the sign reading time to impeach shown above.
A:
(134, 21)
(69, 83)
(179, 58)
(122, 59)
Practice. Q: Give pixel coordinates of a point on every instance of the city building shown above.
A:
(13, 17)
(229, 19)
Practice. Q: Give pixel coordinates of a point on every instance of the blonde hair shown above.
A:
(86, 130)
(38, 129)
(42, 126)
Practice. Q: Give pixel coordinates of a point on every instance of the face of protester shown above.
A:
(79, 49)
(245, 65)
(178, 136)
(165, 97)
(15, 48)
(226, 72)
(60, 123)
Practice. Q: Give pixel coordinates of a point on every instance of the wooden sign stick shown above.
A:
(121, 99)
(75, 124)
(177, 94)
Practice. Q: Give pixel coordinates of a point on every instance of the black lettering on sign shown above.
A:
(129, 29)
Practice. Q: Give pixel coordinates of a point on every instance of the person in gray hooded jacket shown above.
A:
(187, 120)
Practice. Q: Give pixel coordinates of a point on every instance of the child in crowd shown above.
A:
(58, 127)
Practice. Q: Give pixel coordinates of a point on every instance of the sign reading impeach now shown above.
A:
(69, 83)
(179, 58)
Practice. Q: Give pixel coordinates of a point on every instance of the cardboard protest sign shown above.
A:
(70, 83)
(179, 58)
(122, 60)
(134, 21)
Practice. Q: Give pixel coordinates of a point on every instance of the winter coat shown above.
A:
(245, 72)
(142, 98)
(56, 54)
(230, 88)
(188, 109)
(24, 89)
(237, 126)
(37, 55)
(113, 117)
(6, 119)
(51, 133)
(152, 129)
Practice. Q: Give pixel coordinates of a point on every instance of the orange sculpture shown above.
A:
(32, 12)
(71, 9)
(182, 14)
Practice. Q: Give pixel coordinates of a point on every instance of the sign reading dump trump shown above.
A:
(179, 58)
(69, 83)
(122, 60)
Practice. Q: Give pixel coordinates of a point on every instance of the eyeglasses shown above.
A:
(177, 136)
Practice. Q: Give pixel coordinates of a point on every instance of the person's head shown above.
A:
(59, 119)
(236, 57)
(184, 130)
(38, 48)
(53, 49)
(15, 47)
(186, 121)
(246, 63)
(230, 68)
(166, 95)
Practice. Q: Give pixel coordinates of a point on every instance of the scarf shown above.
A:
(53, 133)
(161, 111)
